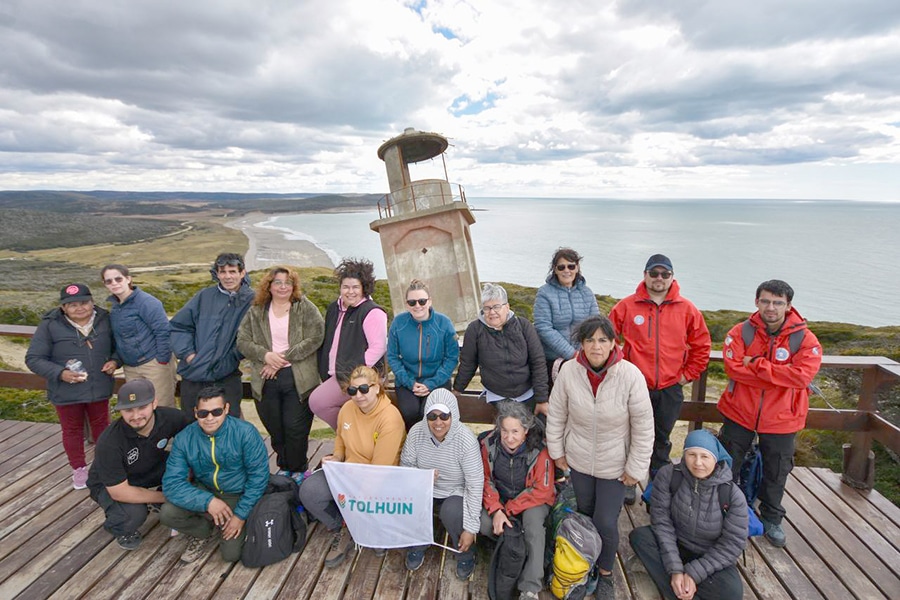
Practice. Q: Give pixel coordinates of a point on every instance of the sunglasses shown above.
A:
(569, 266)
(112, 280)
(203, 413)
(433, 416)
(230, 262)
(658, 274)
(362, 389)
(421, 301)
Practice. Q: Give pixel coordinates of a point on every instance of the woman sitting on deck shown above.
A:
(691, 548)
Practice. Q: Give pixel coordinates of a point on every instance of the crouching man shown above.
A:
(130, 460)
(231, 471)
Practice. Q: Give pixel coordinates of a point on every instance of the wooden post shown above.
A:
(859, 461)
(698, 394)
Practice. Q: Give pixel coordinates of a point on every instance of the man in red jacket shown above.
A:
(665, 336)
(771, 360)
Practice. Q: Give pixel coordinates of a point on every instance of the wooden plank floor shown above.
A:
(841, 544)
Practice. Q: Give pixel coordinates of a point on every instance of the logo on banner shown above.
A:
(376, 505)
(342, 500)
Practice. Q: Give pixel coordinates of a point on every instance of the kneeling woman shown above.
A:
(518, 482)
(441, 442)
(370, 431)
(691, 548)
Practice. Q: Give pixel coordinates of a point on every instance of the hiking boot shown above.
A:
(129, 542)
(414, 559)
(528, 596)
(774, 533)
(79, 478)
(196, 547)
(630, 494)
(465, 567)
(605, 589)
(340, 548)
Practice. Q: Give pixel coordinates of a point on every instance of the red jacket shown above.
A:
(770, 394)
(664, 341)
(539, 482)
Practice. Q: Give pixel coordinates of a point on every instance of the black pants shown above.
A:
(122, 518)
(288, 419)
(412, 407)
(601, 500)
(777, 451)
(721, 585)
(234, 391)
(666, 404)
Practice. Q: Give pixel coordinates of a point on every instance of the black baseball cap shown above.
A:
(74, 292)
(135, 393)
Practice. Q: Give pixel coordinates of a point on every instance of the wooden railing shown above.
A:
(864, 422)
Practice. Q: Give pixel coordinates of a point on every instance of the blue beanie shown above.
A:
(701, 438)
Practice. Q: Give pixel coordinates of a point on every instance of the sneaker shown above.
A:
(528, 596)
(605, 589)
(79, 478)
(129, 542)
(340, 548)
(196, 547)
(414, 559)
(630, 494)
(283, 473)
(775, 534)
(299, 476)
(465, 568)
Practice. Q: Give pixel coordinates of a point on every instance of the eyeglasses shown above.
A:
(775, 303)
(282, 284)
(495, 308)
(202, 413)
(362, 389)
(433, 416)
(658, 274)
(421, 301)
(112, 280)
(568, 266)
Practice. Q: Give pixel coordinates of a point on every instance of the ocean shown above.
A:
(840, 257)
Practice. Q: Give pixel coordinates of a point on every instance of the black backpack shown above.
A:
(507, 562)
(274, 529)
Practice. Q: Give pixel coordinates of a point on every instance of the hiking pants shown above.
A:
(412, 407)
(200, 525)
(601, 500)
(316, 498)
(122, 518)
(721, 585)
(234, 391)
(532, 519)
(450, 511)
(71, 421)
(288, 419)
(666, 404)
(777, 451)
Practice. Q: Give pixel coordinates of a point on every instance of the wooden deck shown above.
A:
(841, 544)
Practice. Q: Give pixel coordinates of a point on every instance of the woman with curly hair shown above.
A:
(355, 334)
(280, 335)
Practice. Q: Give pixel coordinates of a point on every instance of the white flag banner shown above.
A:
(384, 507)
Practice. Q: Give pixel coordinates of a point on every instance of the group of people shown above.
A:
(576, 394)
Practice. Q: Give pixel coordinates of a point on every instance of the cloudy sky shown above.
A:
(583, 98)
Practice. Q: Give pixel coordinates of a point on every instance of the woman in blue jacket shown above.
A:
(141, 328)
(422, 352)
(561, 303)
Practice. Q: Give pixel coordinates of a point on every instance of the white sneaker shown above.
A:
(79, 478)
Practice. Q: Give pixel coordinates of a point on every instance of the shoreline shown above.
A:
(269, 247)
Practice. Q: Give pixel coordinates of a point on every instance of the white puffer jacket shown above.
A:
(604, 435)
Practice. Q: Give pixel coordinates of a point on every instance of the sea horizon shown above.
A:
(830, 251)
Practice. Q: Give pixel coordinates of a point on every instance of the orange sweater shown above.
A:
(370, 439)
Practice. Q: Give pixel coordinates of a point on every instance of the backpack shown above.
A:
(754, 525)
(274, 528)
(564, 505)
(577, 548)
(507, 562)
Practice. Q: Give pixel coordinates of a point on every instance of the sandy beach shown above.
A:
(270, 247)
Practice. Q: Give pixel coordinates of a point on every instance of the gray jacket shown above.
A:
(692, 517)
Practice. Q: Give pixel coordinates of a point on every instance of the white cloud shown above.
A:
(635, 98)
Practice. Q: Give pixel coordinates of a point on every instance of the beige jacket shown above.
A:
(603, 436)
(306, 329)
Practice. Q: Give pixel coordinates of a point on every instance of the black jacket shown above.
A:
(352, 345)
(56, 341)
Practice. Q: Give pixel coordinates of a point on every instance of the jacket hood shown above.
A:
(673, 295)
(443, 396)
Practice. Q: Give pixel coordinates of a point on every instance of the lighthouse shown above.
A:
(424, 230)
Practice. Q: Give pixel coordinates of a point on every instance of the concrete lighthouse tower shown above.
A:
(424, 230)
